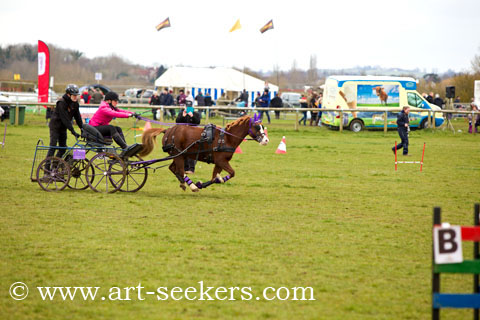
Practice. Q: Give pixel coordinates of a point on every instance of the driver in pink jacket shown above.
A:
(105, 113)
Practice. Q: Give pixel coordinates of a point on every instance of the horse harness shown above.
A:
(207, 137)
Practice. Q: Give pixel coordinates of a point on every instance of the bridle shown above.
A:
(255, 121)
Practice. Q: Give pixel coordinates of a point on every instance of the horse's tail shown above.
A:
(149, 139)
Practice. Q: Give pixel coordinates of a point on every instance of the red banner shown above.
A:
(43, 71)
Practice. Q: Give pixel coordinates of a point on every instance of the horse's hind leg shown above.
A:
(224, 166)
(173, 168)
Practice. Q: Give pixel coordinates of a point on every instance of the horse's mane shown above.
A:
(237, 122)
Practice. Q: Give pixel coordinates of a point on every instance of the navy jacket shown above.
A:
(402, 118)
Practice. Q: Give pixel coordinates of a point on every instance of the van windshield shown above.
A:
(415, 100)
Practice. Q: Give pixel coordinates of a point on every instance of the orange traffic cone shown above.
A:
(238, 150)
(147, 126)
(282, 147)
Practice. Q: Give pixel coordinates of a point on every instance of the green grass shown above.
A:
(331, 214)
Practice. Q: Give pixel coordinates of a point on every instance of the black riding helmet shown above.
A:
(72, 89)
(111, 96)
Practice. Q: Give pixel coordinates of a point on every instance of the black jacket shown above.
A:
(276, 102)
(188, 119)
(402, 118)
(63, 114)
(438, 102)
(208, 101)
(155, 100)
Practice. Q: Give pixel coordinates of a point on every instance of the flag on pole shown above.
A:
(43, 71)
(164, 24)
(236, 26)
(267, 27)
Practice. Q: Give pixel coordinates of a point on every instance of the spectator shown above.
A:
(430, 97)
(313, 104)
(189, 99)
(403, 127)
(181, 98)
(319, 104)
(86, 97)
(257, 100)
(208, 101)
(97, 97)
(276, 103)
(155, 101)
(192, 118)
(243, 97)
(265, 103)
(457, 99)
(200, 99)
(473, 119)
(438, 101)
(303, 105)
(169, 102)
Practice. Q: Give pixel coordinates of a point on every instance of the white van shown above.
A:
(291, 99)
(352, 92)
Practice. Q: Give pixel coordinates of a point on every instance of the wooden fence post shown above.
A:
(385, 122)
(296, 120)
(341, 121)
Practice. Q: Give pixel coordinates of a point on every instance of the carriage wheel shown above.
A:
(135, 179)
(78, 180)
(53, 174)
(105, 172)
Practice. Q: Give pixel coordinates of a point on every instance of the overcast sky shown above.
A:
(434, 35)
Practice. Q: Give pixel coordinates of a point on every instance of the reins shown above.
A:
(170, 124)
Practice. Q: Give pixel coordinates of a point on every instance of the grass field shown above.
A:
(331, 214)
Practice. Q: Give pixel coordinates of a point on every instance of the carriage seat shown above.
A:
(94, 137)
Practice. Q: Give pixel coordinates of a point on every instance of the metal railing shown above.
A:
(297, 111)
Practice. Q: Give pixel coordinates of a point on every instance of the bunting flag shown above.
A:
(267, 27)
(236, 26)
(164, 24)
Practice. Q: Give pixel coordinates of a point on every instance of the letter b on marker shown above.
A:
(447, 244)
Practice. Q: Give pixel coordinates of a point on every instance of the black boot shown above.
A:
(119, 140)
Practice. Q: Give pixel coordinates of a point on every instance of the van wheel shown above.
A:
(356, 125)
(424, 124)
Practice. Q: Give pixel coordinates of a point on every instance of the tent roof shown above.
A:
(219, 77)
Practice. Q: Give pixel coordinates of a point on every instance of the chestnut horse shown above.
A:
(184, 141)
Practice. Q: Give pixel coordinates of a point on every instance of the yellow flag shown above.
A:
(236, 26)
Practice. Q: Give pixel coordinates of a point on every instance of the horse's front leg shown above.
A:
(173, 168)
(180, 173)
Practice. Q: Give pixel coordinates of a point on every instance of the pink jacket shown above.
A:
(105, 114)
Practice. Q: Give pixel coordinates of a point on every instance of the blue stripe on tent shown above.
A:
(445, 300)
(193, 92)
(215, 94)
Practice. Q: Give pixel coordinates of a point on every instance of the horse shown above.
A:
(382, 95)
(211, 145)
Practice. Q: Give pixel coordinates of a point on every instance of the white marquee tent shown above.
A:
(216, 81)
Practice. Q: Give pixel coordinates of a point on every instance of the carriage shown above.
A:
(93, 162)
